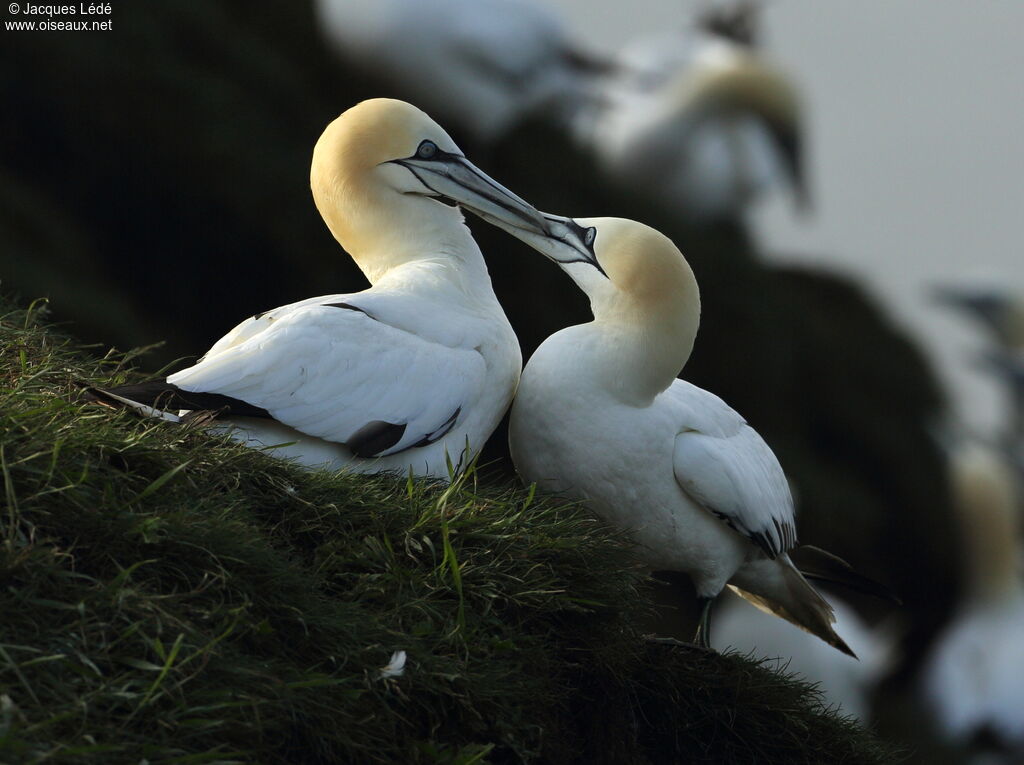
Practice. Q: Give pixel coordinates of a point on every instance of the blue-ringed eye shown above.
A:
(427, 149)
(590, 236)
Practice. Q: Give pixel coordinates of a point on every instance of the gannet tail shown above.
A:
(112, 398)
(776, 587)
(161, 399)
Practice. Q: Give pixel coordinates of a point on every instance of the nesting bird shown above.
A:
(600, 416)
(703, 121)
(418, 368)
(973, 677)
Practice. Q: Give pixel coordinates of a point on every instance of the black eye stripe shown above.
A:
(586, 235)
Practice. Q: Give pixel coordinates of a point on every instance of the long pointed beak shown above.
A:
(564, 241)
(456, 178)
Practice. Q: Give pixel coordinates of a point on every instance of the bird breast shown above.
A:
(571, 438)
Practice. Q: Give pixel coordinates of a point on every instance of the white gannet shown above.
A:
(972, 680)
(999, 309)
(485, 64)
(402, 374)
(844, 681)
(701, 119)
(600, 416)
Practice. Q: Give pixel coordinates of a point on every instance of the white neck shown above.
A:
(388, 230)
(637, 354)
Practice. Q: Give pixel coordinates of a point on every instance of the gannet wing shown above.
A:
(332, 371)
(726, 467)
(261, 321)
(528, 38)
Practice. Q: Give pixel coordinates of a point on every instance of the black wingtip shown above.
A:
(374, 437)
(823, 566)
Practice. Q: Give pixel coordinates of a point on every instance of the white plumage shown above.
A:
(426, 361)
(703, 121)
(414, 371)
(484, 63)
(600, 416)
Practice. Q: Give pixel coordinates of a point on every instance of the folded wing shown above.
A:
(726, 467)
(333, 371)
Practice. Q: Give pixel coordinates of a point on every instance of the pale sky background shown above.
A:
(916, 133)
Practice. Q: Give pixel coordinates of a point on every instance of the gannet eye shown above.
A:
(427, 149)
(589, 236)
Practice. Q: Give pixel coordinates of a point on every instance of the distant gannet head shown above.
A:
(386, 178)
(730, 80)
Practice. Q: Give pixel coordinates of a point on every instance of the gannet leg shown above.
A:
(703, 636)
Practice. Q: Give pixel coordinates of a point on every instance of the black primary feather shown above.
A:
(823, 566)
(375, 437)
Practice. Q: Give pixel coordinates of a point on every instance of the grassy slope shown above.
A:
(170, 596)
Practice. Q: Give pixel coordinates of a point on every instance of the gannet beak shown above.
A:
(564, 240)
(454, 177)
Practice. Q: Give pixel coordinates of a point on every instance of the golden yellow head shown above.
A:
(386, 179)
(639, 260)
(370, 134)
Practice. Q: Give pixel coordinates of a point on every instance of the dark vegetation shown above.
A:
(154, 185)
(173, 597)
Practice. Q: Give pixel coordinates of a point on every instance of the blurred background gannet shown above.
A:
(999, 310)
(484, 63)
(419, 367)
(700, 118)
(600, 416)
(972, 680)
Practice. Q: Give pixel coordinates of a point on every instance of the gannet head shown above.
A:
(386, 179)
(617, 262)
(734, 80)
(640, 286)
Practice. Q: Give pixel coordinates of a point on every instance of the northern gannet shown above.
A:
(972, 680)
(485, 64)
(601, 417)
(702, 120)
(398, 376)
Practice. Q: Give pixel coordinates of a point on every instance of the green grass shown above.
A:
(168, 596)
